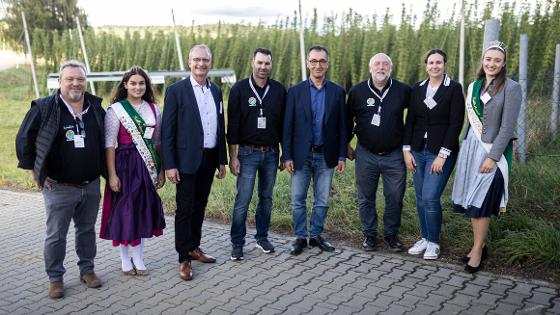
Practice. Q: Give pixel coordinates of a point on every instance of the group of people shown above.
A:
(67, 141)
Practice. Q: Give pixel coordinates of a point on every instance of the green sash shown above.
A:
(479, 110)
(141, 126)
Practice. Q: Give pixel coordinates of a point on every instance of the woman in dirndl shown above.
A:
(480, 189)
(132, 208)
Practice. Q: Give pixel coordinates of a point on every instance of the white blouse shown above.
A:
(112, 123)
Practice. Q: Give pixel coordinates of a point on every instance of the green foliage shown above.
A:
(52, 15)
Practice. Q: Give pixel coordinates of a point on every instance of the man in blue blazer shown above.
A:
(194, 146)
(314, 142)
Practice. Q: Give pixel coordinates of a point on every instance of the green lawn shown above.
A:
(527, 236)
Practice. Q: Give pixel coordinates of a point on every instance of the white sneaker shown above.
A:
(419, 247)
(432, 252)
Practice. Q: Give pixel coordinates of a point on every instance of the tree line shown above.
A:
(351, 37)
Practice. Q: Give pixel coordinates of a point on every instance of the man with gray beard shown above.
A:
(375, 114)
(61, 144)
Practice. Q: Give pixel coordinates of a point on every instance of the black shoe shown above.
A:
(471, 269)
(265, 246)
(236, 253)
(321, 243)
(369, 244)
(393, 243)
(298, 245)
(465, 259)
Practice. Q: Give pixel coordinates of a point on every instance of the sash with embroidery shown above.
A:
(475, 112)
(136, 126)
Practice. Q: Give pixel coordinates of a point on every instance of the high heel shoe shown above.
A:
(465, 259)
(471, 269)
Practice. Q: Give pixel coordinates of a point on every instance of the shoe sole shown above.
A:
(236, 258)
(431, 257)
(264, 250)
(416, 252)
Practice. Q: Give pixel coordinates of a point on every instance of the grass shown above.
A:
(528, 236)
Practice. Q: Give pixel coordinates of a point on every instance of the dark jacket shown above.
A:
(39, 129)
(443, 123)
(182, 136)
(298, 122)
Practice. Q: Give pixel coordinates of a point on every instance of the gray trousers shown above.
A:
(369, 167)
(64, 203)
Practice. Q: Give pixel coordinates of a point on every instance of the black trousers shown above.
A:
(192, 197)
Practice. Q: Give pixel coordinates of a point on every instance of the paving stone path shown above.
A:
(347, 281)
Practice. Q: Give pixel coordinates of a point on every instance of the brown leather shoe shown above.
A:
(199, 255)
(56, 290)
(185, 270)
(90, 279)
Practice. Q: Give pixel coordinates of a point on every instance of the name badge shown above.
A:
(376, 120)
(79, 141)
(430, 102)
(261, 123)
(485, 98)
(149, 133)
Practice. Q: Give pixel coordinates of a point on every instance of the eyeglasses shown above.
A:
(315, 62)
(203, 60)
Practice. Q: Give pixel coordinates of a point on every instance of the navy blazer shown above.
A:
(298, 121)
(182, 136)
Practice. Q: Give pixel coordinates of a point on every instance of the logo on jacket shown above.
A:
(252, 101)
(370, 101)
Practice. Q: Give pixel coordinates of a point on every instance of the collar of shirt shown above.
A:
(71, 110)
(259, 89)
(371, 85)
(313, 85)
(204, 88)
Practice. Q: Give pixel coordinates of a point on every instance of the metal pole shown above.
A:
(555, 94)
(491, 32)
(82, 43)
(33, 73)
(462, 46)
(301, 45)
(521, 121)
(178, 44)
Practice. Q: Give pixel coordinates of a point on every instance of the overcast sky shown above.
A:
(149, 12)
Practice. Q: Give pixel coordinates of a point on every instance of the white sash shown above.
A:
(138, 140)
(476, 126)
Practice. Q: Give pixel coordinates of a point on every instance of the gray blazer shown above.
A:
(500, 118)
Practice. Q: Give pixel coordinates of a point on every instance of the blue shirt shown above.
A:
(318, 111)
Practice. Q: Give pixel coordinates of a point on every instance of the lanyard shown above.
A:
(384, 93)
(77, 117)
(258, 96)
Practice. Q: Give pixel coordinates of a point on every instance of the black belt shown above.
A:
(260, 148)
(316, 148)
(82, 184)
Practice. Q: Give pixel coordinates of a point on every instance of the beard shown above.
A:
(381, 77)
(75, 96)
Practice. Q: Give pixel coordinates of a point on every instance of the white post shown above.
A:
(521, 123)
(28, 42)
(462, 46)
(178, 44)
(301, 45)
(82, 43)
(555, 94)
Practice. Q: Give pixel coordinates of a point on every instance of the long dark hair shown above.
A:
(500, 79)
(120, 93)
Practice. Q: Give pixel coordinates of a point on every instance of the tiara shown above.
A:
(497, 45)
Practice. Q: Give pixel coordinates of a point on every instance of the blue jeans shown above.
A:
(369, 167)
(429, 188)
(251, 162)
(314, 167)
(66, 203)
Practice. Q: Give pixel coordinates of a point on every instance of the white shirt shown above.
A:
(207, 109)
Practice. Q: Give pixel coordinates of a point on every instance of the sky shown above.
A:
(149, 12)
